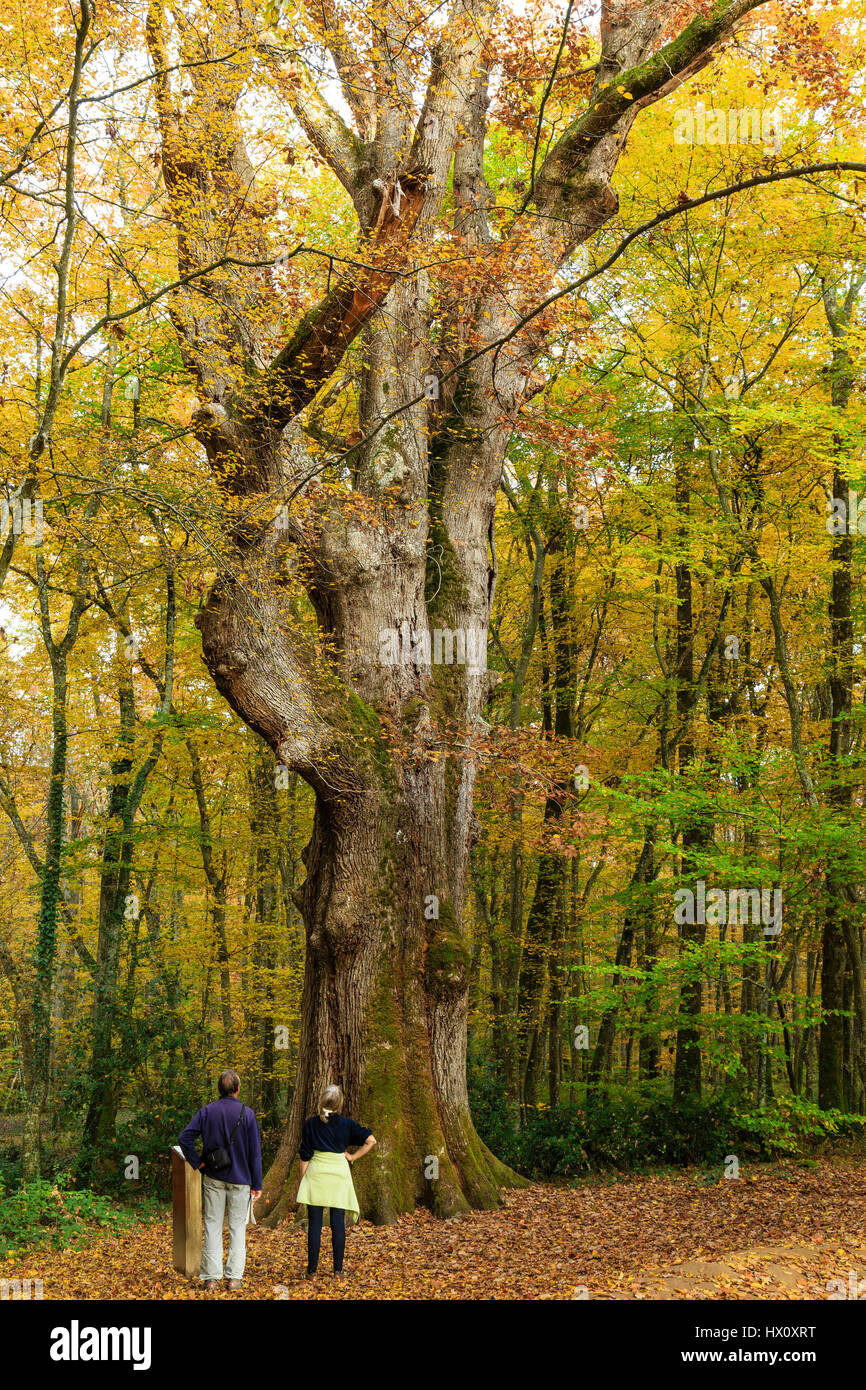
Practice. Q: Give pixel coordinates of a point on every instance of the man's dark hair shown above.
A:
(229, 1082)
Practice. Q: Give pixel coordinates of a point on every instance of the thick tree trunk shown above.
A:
(384, 1004)
(387, 741)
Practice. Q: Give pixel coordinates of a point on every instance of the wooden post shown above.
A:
(186, 1215)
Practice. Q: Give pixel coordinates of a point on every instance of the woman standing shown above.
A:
(326, 1174)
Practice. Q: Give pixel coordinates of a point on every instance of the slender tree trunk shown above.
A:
(644, 872)
(831, 1048)
(695, 830)
(37, 1085)
(217, 882)
(265, 832)
(545, 926)
(33, 1087)
(116, 905)
(487, 912)
(519, 954)
(556, 980)
(649, 1050)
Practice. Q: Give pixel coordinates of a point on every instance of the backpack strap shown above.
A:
(237, 1122)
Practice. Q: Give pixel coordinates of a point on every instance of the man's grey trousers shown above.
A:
(223, 1202)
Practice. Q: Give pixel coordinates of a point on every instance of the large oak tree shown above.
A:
(406, 542)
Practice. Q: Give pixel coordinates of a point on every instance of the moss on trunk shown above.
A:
(384, 1014)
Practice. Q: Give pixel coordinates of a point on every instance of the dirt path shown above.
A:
(777, 1232)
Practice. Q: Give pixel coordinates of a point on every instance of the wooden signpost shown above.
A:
(186, 1215)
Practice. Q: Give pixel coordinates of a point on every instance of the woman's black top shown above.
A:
(333, 1137)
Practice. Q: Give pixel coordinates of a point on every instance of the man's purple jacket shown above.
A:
(214, 1123)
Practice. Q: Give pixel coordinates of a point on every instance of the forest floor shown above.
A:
(779, 1231)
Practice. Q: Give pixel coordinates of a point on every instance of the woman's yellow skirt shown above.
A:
(328, 1183)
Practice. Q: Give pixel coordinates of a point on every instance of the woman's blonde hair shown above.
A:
(330, 1103)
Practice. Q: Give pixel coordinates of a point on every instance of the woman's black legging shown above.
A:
(314, 1237)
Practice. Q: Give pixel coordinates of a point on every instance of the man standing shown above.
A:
(232, 1179)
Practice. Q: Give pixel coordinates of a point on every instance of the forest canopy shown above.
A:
(433, 513)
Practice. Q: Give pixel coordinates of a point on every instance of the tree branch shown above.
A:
(561, 177)
(324, 127)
